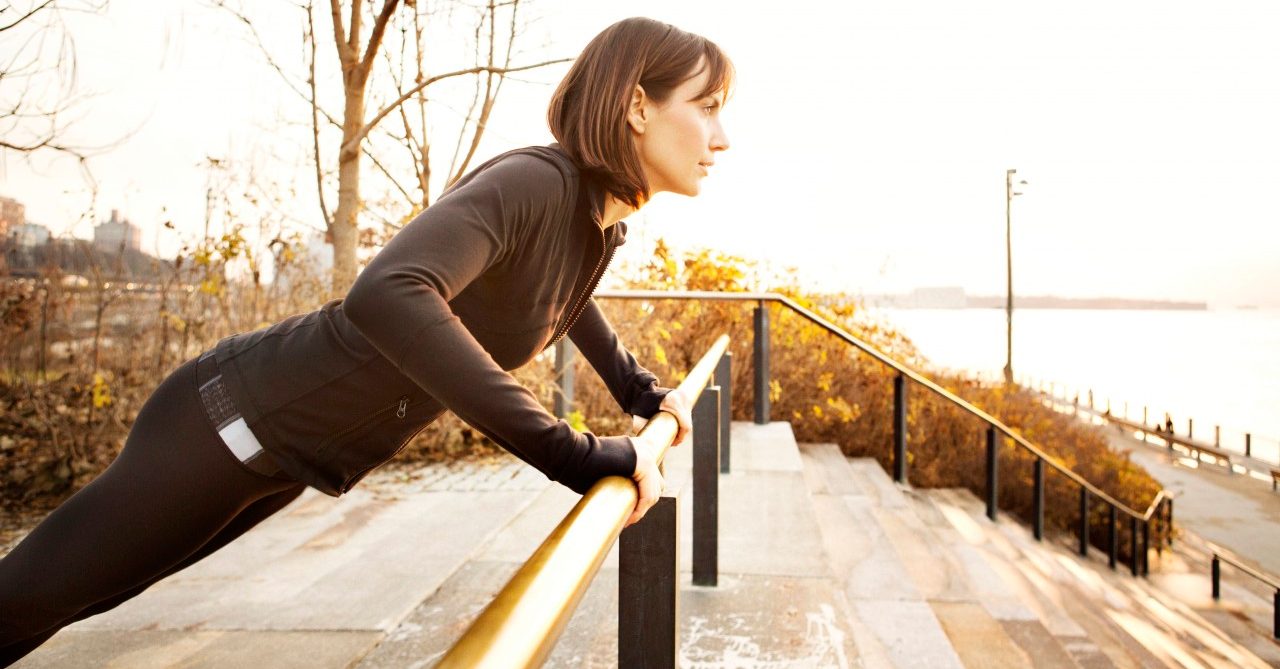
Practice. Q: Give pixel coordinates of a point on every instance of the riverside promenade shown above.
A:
(1234, 510)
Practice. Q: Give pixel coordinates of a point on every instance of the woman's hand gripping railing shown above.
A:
(521, 625)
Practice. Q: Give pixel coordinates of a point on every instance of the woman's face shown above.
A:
(677, 140)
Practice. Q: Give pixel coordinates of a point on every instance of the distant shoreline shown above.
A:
(983, 302)
(955, 298)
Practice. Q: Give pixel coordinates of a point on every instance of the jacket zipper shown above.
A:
(601, 265)
(401, 406)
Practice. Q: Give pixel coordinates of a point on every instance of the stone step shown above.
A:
(330, 574)
(776, 603)
(1245, 612)
(1044, 583)
(1129, 619)
(893, 624)
(983, 586)
(964, 590)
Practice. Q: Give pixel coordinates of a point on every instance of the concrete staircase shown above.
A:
(1004, 599)
(824, 562)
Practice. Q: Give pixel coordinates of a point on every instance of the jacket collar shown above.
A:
(616, 235)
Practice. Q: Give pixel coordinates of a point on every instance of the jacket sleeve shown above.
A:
(634, 387)
(400, 303)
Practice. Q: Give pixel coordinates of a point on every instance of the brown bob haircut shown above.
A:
(588, 111)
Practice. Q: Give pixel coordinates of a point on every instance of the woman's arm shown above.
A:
(634, 387)
(400, 303)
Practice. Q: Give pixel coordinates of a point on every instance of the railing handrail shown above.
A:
(520, 626)
(867, 348)
(1158, 429)
(1265, 578)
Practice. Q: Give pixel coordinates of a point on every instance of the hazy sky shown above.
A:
(869, 140)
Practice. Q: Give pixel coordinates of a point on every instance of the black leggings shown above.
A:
(174, 495)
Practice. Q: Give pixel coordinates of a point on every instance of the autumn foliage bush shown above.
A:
(832, 393)
(82, 356)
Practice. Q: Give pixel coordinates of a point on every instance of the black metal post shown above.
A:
(706, 487)
(761, 348)
(1217, 436)
(900, 428)
(648, 589)
(564, 374)
(1133, 545)
(1248, 445)
(992, 473)
(724, 379)
(1275, 615)
(1217, 570)
(1111, 545)
(1162, 528)
(1146, 547)
(1168, 522)
(1039, 499)
(1084, 521)
(1189, 426)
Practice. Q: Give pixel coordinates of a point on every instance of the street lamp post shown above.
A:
(1009, 194)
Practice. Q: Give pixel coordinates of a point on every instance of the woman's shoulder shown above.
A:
(527, 172)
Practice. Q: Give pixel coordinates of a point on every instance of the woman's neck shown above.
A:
(615, 210)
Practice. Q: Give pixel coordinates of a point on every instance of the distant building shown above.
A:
(12, 215)
(28, 235)
(117, 234)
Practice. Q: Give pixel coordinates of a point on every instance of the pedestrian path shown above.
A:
(1232, 510)
(824, 562)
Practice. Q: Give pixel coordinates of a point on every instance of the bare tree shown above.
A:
(39, 96)
(358, 54)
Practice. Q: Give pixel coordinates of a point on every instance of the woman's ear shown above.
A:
(636, 114)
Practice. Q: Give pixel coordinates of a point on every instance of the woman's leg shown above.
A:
(250, 517)
(174, 495)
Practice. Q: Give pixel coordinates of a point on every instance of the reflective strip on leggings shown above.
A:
(226, 419)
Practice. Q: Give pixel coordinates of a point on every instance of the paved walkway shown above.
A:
(1235, 511)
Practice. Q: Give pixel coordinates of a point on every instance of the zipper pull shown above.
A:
(404, 402)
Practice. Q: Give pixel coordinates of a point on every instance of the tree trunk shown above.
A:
(345, 234)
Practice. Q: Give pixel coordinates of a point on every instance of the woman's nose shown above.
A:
(719, 140)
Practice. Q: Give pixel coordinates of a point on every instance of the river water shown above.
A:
(1216, 367)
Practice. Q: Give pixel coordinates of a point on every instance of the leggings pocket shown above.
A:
(237, 439)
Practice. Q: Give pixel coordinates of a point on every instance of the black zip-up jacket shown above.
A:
(497, 270)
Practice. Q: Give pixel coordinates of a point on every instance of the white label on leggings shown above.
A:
(240, 440)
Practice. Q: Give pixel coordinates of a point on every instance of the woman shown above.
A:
(501, 267)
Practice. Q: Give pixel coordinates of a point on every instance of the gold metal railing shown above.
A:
(521, 625)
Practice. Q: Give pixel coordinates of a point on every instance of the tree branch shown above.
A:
(375, 38)
(390, 178)
(339, 37)
(364, 132)
(315, 120)
(490, 97)
(276, 66)
(353, 32)
(25, 16)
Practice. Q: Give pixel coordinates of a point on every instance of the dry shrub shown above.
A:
(831, 392)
